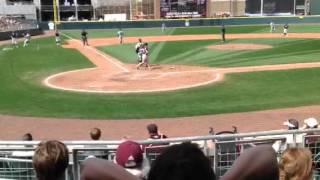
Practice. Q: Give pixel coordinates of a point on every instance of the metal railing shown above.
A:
(222, 150)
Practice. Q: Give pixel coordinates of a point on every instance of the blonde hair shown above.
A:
(296, 164)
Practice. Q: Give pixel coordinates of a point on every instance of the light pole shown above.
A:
(130, 6)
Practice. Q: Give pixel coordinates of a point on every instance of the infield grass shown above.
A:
(284, 51)
(22, 93)
(102, 33)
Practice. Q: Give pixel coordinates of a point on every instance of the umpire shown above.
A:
(223, 33)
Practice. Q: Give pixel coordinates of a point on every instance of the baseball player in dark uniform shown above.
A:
(14, 39)
(84, 38)
(57, 35)
(223, 33)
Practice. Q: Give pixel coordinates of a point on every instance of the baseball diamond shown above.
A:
(228, 81)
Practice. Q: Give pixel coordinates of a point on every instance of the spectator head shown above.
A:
(50, 160)
(181, 162)
(27, 137)
(129, 155)
(296, 164)
(152, 129)
(95, 133)
(292, 124)
(310, 123)
(256, 163)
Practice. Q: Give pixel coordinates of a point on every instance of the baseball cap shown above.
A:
(311, 122)
(291, 123)
(129, 154)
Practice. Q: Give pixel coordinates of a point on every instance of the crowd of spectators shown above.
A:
(183, 161)
(8, 23)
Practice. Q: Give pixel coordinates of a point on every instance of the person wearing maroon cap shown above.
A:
(130, 156)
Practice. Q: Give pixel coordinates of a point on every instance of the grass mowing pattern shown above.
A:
(284, 51)
(103, 33)
(22, 94)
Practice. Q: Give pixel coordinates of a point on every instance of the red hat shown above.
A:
(129, 154)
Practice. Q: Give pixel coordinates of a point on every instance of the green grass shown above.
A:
(22, 92)
(100, 33)
(284, 51)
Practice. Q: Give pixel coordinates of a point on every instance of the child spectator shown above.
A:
(296, 164)
(95, 134)
(153, 132)
(50, 160)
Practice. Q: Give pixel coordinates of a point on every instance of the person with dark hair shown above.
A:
(153, 132)
(95, 134)
(50, 160)
(27, 137)
(292, 124)
(84, 37)
(256, 163)
(181, 162)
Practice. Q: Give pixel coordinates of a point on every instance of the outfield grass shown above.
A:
(101, 33)
(22, 93)
(284, 51)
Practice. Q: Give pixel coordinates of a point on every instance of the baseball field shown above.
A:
(193, 73)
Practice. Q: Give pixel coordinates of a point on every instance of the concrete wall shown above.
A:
(98, 3)
(28, 10)
(315, 7)
(219, 8)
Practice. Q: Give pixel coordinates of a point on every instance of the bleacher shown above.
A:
(8, 23)
(222, 150)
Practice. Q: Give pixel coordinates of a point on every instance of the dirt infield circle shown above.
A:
(112, 76)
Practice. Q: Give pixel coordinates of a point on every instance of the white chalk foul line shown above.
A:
(116, 63)
(48, 79)
(112, 60)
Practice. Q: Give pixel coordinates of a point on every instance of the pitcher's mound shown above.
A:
(235, 47)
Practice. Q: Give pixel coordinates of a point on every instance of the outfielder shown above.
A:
(120, 36)
(14, 39)
(272, 27)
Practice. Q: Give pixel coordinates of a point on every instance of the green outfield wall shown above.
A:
(314, 7)
(182, 22)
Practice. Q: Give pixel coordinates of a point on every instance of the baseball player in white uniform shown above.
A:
(27, 38)
(145, 56)
(137, 48)
(120, 36)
